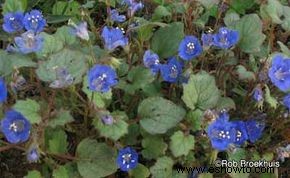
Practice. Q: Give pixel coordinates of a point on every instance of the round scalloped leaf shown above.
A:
(158, 115)
(95, 159)
(72, 60)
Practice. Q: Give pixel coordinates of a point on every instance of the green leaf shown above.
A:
(60, 172)
(63, 117)
(165, 41)
(153, 147)
(95, 159)
(115, 131)
(51, 45)
(29, 109)
(273, 9)
(284, 48)
(181, 144)
(64, 34)
(14, 5)
(194, 117)
(244, 74)
(137, 78)
(205, 175)
(56, 141)
(33, 174)
(158, 115)
(286, 22)
(140, 172)
(66, 8)
(160, 12)
(51, 19)
(237, 155)
(200, 92)
(100, 100)
(10, 61)
(231, 18)
(226, 103)
(162, 168)
(269, 99)
(241, 5)
(208, 3)
(250, 30)
(73, 60)
(132, 136)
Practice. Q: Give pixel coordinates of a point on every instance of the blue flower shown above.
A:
(254, 130)
(32, 154)
(15, 127)
(107, 119)
(207, 39)
(3, 91)
(225, 38)
(101, 78)
(81, 30)
(63, 78)
(189, 48)
(241, 132)
(34, 21)
(127, 159)
(171, 71)
(133, 6)
(258, 94)
(221, 133)
(115, 17)
(113, 38)
(279, 72)
(28, 43)
(151, 60)
(13, 22)
(286, 101)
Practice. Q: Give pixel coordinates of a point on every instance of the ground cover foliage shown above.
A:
(128, 88)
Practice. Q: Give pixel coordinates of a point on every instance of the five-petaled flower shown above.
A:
(34, 21)
(3, 91)
(279, 72)
(171, 72)
(127, 159)
(101, 78)
(13, 22)
(221, 132)
(116, 17)
(151, 61)
(15, 127)
(189, 48)
(113, 37)
(225, 38)
(28, 42)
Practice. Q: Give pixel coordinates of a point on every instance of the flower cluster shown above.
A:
(223, 132)
(33, 22)
(225, 38)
